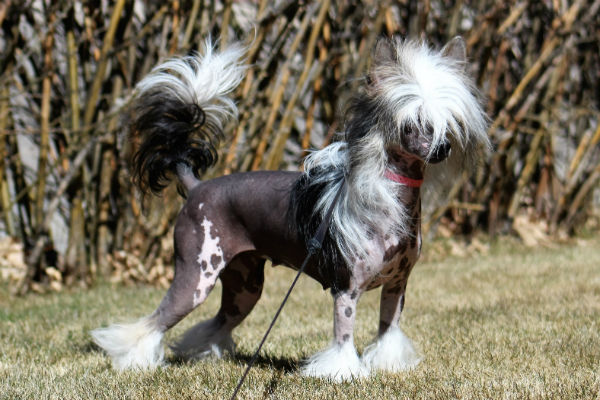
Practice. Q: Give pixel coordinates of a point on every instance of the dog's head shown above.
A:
(422, 102)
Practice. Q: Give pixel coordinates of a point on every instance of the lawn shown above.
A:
(508, 322)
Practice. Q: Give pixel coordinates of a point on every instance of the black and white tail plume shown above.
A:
(179, 112)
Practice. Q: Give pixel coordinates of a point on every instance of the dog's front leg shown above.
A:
(392, 350)
(340, 361)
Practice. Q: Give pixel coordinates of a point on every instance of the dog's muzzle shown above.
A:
(441, 153)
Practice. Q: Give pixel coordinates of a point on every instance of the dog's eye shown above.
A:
(369, 80)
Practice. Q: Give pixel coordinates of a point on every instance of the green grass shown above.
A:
(512, 323)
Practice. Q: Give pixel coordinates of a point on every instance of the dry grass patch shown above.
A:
(513, 323)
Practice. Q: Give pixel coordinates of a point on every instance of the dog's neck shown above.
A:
(405, 168)
(412, 170)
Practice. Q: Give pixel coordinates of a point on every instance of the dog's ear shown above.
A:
(385, 53)
(456, 49)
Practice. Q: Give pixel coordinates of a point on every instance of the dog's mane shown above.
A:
(369, 202)
(409, 85)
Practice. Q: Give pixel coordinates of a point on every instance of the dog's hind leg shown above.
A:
(392, 350)
(198, 263)
(242, 281)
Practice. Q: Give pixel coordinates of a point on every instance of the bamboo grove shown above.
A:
(67, 69)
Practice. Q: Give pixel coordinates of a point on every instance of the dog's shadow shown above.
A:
(280, 365)
(284, 365)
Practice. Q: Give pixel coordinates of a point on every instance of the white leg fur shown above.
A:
(338, 362)
(131, 346)
(203, 340)
(392, 352)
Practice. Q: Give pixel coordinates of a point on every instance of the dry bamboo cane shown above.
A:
(4, 192)
(4, 7)
(586, 143)
(40, 193)
(310, 117)
(150, 24)
(276, 153)
(99, 231)
(36, 251)
(280, 90)
(512, 18)
(73, 84)
(90, 108)
(225, 23)
(530, 163)
(74, 255)
(248, 92)
(584, 190)
(572, 180)
(565, 23)
(192, 19)
(369, 43)
(174, 28)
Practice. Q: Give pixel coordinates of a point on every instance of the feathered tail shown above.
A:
(179, 112)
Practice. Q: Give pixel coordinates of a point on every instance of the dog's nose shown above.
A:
(441, 152)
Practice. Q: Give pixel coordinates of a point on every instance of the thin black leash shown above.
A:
(314, 246)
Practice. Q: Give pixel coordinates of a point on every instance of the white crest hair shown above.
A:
(202, 79)
(422, 86)
(417, 87)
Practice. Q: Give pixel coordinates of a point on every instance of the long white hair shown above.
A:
(410, 85)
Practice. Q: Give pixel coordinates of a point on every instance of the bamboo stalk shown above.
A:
(583, 191)
(225, 24)
(4, 193)
(530, 163)
(190, 24)
(572, 181)
(586, 143)
(4, 7)
(94, 93)
(565, 23)
(279, 91)
(174, 28)
(36, 251)
(276, 153)
(547, 49)
(73, 84)
(512, 18)
(40, 193)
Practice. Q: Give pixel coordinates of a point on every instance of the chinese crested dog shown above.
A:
(417, 118)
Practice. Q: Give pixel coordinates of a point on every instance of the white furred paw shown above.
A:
(131, 346)
(391, 352)
(338, 363)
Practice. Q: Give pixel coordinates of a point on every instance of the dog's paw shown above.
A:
(131, 346)
(339, 363)
(204, 340)
(392, 352)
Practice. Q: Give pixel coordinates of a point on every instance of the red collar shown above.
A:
(413, 183)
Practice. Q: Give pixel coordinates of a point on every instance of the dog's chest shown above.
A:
(399, 256)
(392, 256)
